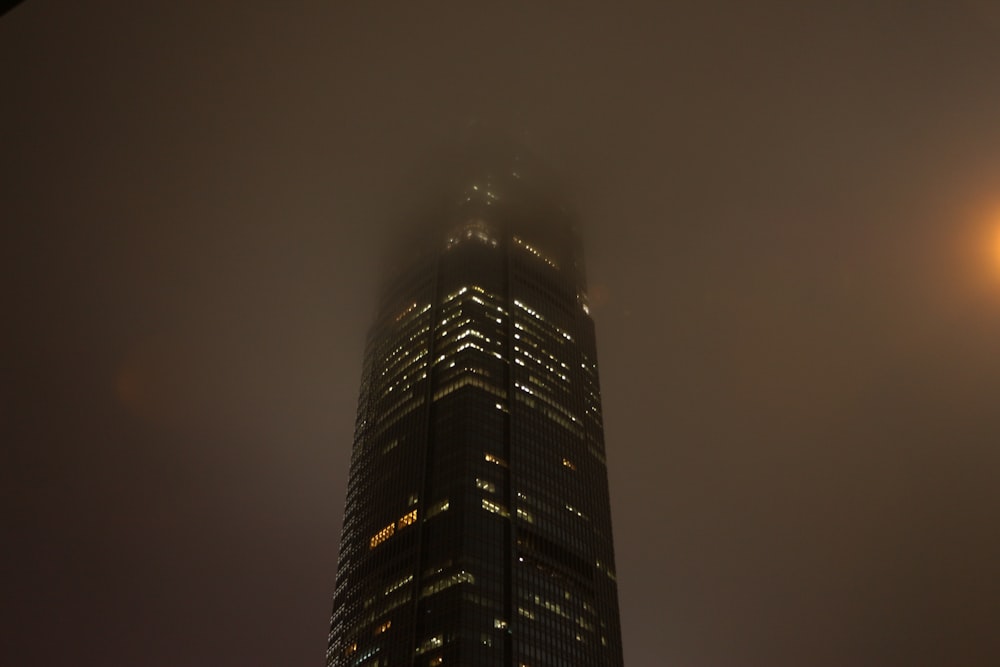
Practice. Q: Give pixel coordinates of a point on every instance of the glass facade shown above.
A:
(477, 530)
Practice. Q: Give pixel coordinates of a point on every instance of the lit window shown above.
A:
(407, 519)
(469, 378)
(485, 485)
(430, 644)
(495, 508)
(399, 584)
(437, 508)
(475, 229)
(406, 311)
(490, 458)
(534, 251)
(551, 606)
(382, 535)
(462, 577)
(569, 464)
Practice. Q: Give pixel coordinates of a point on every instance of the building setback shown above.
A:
(478, 526)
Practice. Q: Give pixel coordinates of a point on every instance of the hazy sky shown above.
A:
(792, 216)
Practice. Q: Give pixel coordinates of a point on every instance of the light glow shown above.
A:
(995, 245)
(979, 247)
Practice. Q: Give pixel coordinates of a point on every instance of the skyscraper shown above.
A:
(478, 524)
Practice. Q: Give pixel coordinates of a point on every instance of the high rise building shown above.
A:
(478, 524)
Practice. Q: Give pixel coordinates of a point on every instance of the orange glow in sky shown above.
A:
(983, 247)
(995, 247)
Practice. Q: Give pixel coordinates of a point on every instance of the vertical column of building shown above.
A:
(553, 578)
(373, 616)
(461, 610)
(594, 474)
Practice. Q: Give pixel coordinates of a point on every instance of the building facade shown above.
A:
(477, 530)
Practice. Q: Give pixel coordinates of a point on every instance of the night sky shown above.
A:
(792, 227)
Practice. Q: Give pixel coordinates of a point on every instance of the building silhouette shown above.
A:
(477, 530)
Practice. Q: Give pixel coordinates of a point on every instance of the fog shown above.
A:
(789, 216)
